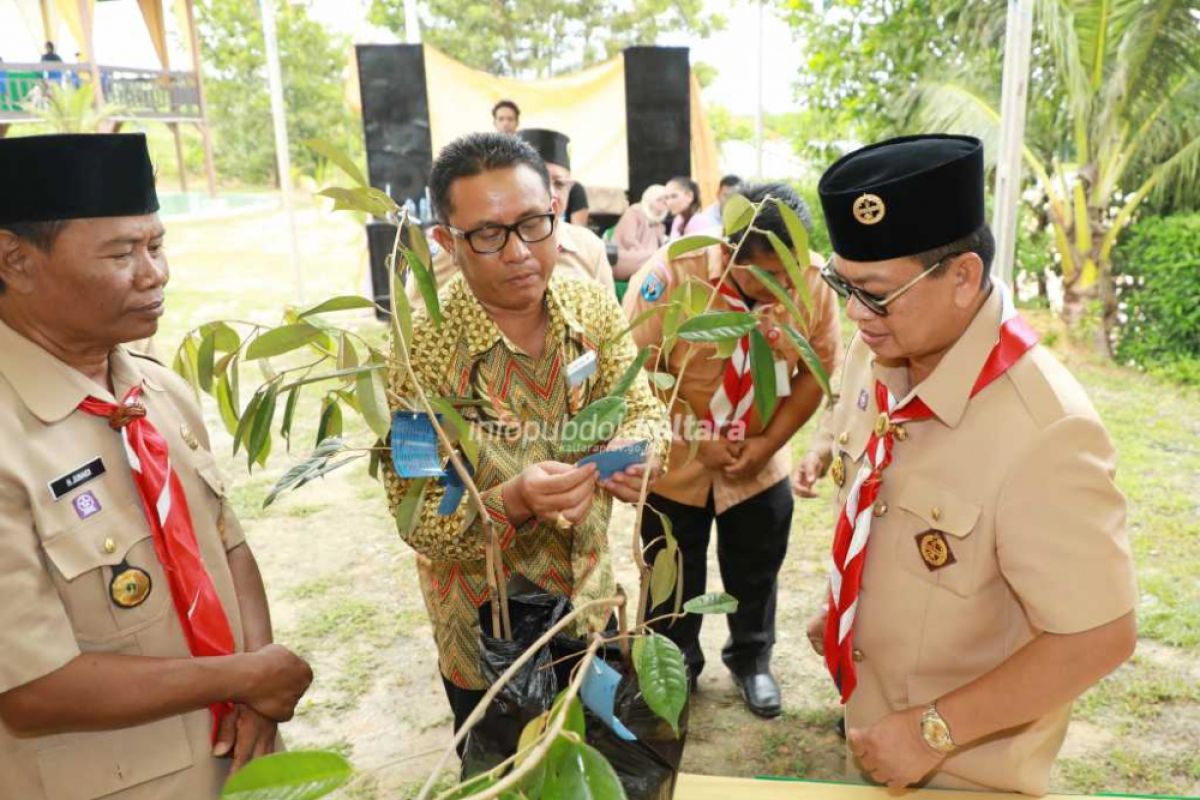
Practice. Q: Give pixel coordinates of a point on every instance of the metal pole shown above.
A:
(412, 22)
(1017, 45)
(282, 158)
(758, 104)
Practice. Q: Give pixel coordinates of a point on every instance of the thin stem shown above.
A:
(493, 690)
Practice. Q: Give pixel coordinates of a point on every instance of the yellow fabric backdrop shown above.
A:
(156, 26)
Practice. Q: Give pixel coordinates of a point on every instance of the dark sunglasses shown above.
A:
(876, 304)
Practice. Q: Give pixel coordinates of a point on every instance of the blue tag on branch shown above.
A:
(414, 446)
(610, 462)
(598, 692)
(581, 369)
(455, 489)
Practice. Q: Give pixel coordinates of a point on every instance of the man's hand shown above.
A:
(244, 735)
(892, 751)
(627, 484)
(752, 456)
(550, 488)
(716, 454)
(808, 472)
(816, 631)
(281, 679)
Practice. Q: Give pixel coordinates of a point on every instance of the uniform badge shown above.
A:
(86, 505)
(837, 471)
(653, 287)
(935, 550)
(63, 485)
(881, 424)
(869, 209)
(863, 399)
(130, 586)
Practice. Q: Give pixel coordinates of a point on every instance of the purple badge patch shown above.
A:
(863, 397)
(86, 505)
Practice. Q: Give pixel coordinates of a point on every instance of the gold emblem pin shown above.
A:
(935, 550)
(900, 432)
(869, 209)
(837, 471)
(881, 424)
(130, 587)
(189, 438)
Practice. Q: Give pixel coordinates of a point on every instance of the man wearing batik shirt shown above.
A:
(739, 473)
(512, 332)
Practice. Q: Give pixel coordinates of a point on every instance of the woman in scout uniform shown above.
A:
(135, 639)
(739, 475)
(981, 577)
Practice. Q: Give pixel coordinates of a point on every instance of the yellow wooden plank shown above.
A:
(710, 787)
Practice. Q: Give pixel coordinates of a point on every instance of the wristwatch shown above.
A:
(936, 732)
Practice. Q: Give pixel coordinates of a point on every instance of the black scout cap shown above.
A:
(903, 196)
(551, 145)
(74, 176)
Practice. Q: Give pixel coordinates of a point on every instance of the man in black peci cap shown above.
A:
(980, 574)
(135, 640)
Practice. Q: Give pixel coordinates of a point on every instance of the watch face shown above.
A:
(936, 733)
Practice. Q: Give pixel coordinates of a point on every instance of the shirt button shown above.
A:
(843, 437)
(936, 513)
(857, 654)
(880, 509)
(110, 546)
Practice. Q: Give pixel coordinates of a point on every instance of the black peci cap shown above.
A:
(903, 196)
(74, 176)
(552, 146)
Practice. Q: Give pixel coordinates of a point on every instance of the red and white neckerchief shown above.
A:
(201, 615)
(849, 553)
(734, 398)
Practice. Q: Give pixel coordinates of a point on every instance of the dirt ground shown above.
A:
(344, 593)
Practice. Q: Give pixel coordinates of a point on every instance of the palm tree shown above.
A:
(69, 109)
(1121, 108)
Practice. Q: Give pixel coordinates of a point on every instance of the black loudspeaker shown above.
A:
(657, 116)
(380, 238)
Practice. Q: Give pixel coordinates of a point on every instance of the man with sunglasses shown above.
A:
(522, 347)
(980, 573)
(581, 253)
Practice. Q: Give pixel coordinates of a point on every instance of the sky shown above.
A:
(121, 41)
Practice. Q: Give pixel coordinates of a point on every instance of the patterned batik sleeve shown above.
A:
(646, 417)
(460, 535)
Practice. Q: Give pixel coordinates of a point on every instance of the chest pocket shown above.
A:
(934, 535)
(85, 556)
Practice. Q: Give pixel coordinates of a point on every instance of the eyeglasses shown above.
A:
(488, 239)
(876, 304)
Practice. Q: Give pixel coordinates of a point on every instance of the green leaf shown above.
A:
(204, 362)
(781, 294)
(695, 296)
(687, 244)
(284, 339)
(795, 273)
(711, 603)
(426, 284)
(575, 721)
(631, 373)
(372, 402)
(225, 338)
(662, 676)
(762, 372)
(289, 412)
(403, 310)
(810, 359)
(246, 420)
(377, 452)
(737, 214)
(191, 354)
(460, 430)
(594, 423)
(338, 157)
(578, 771)
(796, 231)
(331, 420)
(716, 326)
(361, 199)
(417, 244)
(294, 775)
(663, 381)
(259, 437)
(408, 512)
(226, 405)
(662, 578)
(530, 733)
(344, 302)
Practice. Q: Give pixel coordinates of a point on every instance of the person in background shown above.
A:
(577, 211)
(50, 56)
(506, 117)
(639, 232)
(683, 201)
(728, 187)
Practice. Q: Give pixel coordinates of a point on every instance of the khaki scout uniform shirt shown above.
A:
(690, 482)
(581, 254)
(57, 559)
(1020, 481)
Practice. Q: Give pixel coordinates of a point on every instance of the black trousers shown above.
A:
(752, 539)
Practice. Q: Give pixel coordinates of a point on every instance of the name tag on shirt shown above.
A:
(581, 369)
(62, 486)
(783, 379)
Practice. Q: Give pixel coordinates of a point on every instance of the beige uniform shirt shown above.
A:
(689, 481)
(581, 254)
(57, 558)
(1019, 479)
